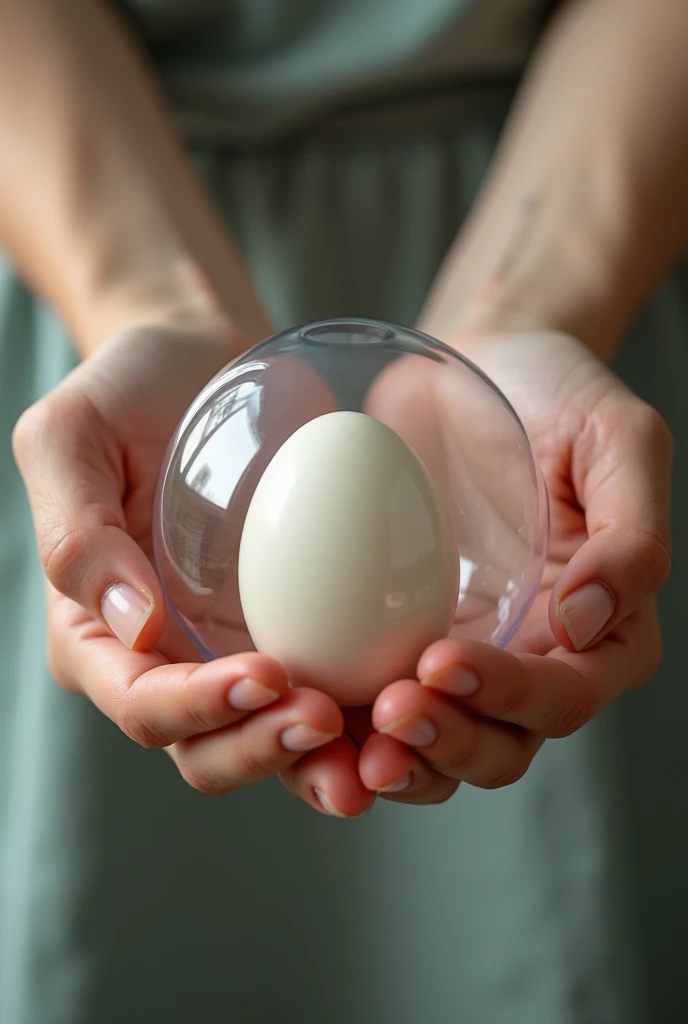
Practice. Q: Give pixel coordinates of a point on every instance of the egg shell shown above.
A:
(347, 569)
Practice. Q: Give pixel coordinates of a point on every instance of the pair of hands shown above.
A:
(90, 452)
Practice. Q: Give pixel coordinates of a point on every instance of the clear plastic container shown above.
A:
(455, 419)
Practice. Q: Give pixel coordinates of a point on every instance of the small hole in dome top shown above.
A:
(348, 332)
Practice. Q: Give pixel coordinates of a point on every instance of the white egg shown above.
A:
(347, 570)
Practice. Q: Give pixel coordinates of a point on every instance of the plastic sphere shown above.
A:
(465, 433)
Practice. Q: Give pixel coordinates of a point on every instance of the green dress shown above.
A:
(343, 140)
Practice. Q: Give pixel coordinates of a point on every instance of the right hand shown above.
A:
(89, 453)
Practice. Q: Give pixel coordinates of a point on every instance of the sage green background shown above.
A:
(343, 142)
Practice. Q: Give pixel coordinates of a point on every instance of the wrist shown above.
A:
(499, 309)
(563, 290)
(559, 258)
(175, 293)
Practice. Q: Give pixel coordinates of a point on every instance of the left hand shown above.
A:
(90, 452)
(479, 714)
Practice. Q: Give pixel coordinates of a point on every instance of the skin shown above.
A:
(579, 219)
(606, 459)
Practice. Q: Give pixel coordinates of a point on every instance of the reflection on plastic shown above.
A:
(461, 427)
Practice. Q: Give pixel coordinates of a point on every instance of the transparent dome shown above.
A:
(457, 422)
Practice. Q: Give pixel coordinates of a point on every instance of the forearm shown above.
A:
(98, 206)
(586, 206)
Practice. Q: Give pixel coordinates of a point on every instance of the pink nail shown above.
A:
(416, 731)
(399, 786)
(304, 737)
(586, 612)
(126, 612)
(327, 805)
(460, 682)
(249, 695)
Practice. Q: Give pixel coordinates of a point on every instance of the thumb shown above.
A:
(622, 475)
(74, 473)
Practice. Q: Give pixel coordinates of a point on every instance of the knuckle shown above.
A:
(435, 789)
(253, 763)
(200, 718)
(143, 732)
(67, 553)
(510, 699)
(34, 423)
(60, 553)
(200, 779)
(653, 427)
(506, 776)
(566, 721)
(199, 721)
(460, 761)
(652, 558)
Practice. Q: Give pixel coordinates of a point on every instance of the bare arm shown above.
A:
(586, 206)
(98, 206)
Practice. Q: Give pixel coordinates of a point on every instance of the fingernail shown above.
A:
(586, 612)
(460, 682)
(249, 694)
(304, 737)
(327, 805)
(416, 731)
(399, 786)
(126, 612)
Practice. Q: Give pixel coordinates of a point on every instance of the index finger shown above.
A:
(551, 695)
(621, 468)
(156, 703)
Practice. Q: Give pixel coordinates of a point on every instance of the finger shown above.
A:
(552, 695)
(391, 769)
(75, 481)
(155, 702)
(451, 739)
(262, 745)
(395, 772)
(329, 780)
(173, 702)
(622, 471)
